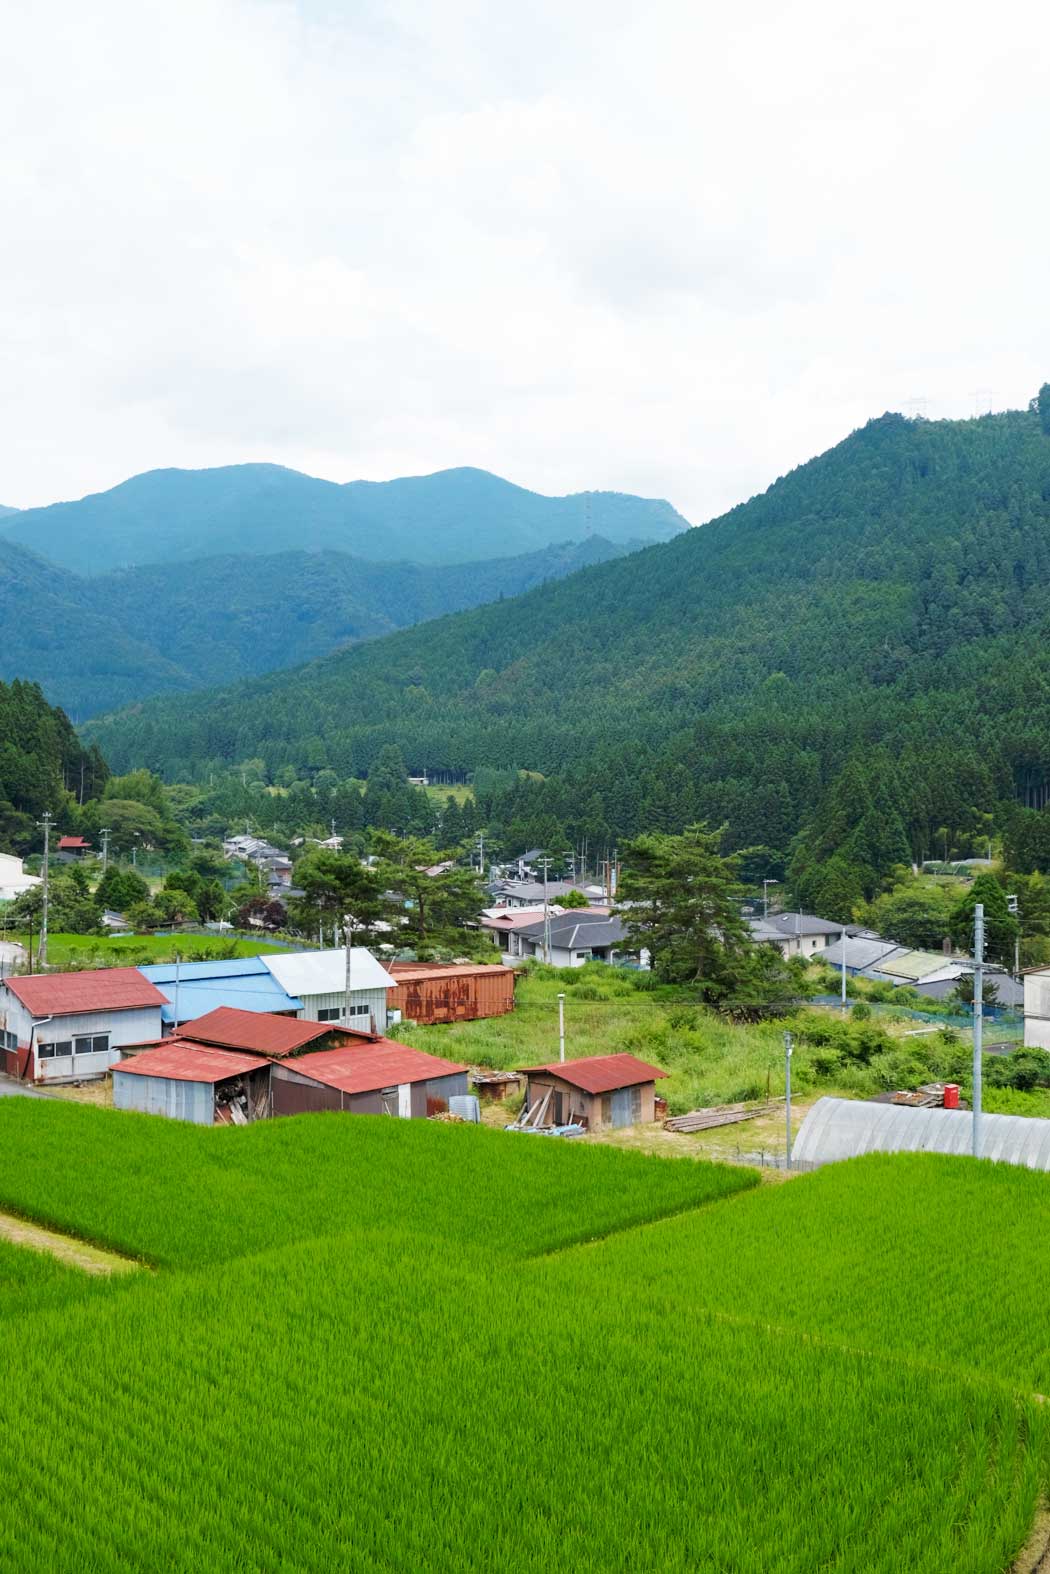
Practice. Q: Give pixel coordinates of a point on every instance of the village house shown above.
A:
(65, 1027)
(578, 936)
(595, 1092)
(71, 848)
(795, 934)
(14, 881)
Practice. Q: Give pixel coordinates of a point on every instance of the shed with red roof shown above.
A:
(194, 1082)
(377, 1078)
(596, 1091)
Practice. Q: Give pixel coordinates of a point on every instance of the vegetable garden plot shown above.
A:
(322, 1406)
(183, 1195)
(938, 1258)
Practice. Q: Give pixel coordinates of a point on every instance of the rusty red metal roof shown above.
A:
(263, 1033)
(416, 972)
(181, 1060)
(98, 989)
(600, 1073)
(381, 1064)
(65, 843)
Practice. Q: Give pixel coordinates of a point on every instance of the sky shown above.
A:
(672, 248)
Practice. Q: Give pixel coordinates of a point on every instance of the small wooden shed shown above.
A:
(597, 1091)
(428, 992)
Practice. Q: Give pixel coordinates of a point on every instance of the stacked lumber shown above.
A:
(721, 1115)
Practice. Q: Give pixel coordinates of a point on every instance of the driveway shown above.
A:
(9, 1088)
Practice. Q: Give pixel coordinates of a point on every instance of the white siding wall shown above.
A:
(373, 1000)
(123, 1027)
(1037, 1010)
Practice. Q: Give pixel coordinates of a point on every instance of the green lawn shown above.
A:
(376, 1344)
(75, 951)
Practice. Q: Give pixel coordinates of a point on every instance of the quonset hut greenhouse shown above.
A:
(844, 1128)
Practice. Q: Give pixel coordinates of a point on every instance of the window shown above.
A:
(97, 1044)
(61, 1046)
(335, 1013)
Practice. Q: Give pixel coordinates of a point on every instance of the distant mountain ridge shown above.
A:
(97, 643)
(866, 644)
(454, 516)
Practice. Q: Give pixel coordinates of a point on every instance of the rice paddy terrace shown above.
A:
(381, 1344)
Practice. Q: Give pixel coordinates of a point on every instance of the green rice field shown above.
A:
(374, 1344)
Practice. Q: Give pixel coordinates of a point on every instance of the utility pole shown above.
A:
(348, 936)
(105, 835)
(978, 1022)
(843, 967)
(561, 1027)
(789, 1045)
(41, 949)
(481, 852)
(765, 896)
(545, 864)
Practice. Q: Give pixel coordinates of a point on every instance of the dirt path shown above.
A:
(68, 1250)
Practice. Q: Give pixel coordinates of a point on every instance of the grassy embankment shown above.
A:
(360, 1353)
(75, 951)
(710, 1060)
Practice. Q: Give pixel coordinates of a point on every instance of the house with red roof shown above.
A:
(69, 1027)
(71, 848)
(597, 1091)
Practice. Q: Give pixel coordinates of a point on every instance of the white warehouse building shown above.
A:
(318, 980)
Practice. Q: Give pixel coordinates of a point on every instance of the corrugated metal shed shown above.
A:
(379, 1065)
(182, 1060)
(262, 1034)
(860, 952)
(97, 989)
(245, 983)
(838, 1129)
(600, 1073)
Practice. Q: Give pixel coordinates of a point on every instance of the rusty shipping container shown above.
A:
(430, 992)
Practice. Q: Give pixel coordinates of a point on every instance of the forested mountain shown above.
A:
(97, 643)
(455, 516)
(861, 651)
(43, 764)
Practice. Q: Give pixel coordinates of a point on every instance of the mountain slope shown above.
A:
(891, 594)
(455, 516)
(97, 643)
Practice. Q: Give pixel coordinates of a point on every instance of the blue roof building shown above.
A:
(245, 982)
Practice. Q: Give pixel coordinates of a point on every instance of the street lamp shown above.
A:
(1012, 907)
(765, 896)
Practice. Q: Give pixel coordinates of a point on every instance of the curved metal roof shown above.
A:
(843, 1128)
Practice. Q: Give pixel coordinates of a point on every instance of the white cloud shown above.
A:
(673, 249)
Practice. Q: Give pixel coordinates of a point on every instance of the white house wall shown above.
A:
(373, 1000)
(139, 1026)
